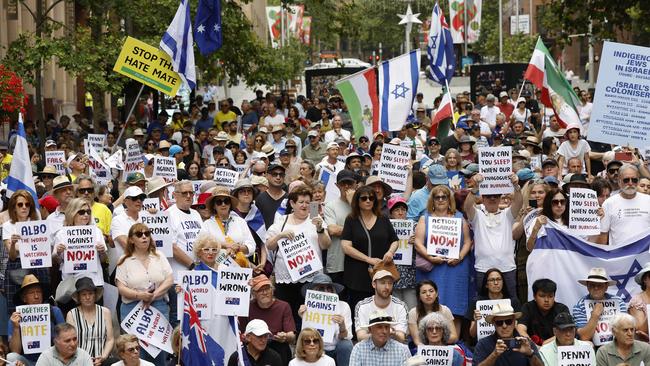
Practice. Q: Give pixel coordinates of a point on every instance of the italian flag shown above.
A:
(543, 72)
(359, 91)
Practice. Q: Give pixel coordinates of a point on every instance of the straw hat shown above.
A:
(59, 182)
(28, 281)
(388, 190)
(155, 184)
(48, 170)
(597, 275)
(501, 310)
(220, 191)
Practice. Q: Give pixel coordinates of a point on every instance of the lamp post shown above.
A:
(409, 19)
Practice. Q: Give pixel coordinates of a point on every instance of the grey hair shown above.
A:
(628, 166)
(63, 328)
(501, 115)
(490, 97)
(434, 319)
(620, 318)
(181, 183)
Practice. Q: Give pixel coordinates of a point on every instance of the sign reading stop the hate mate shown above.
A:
(443, 236)
(495, 165)
(80, 253)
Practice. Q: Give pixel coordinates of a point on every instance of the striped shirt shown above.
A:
(580, 312)
(365, 353)
(92, 336)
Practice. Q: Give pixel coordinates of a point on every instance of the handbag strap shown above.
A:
(275, 258)
(363, 225)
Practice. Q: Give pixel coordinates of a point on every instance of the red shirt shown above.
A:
(278, 317)
(506, 109)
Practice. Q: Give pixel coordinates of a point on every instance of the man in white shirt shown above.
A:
(274, 118)
(121, 224)
(63, 192)
(337, 131)
(584, 109)
(489, 111)
(382, 282)
(330, 161)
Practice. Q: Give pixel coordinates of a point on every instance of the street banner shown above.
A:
(603, 333)
(149, 325)
(321, 306)
(201, 289)
(35, 327)
(575, 355)
(149, 65)
(393, 166)
(443, 236)
(57, 160)
(437, 355)
(459, 11)
(80, 254)
(34, 245)
(404, 253)
(159, 226)
(225, 177)
(583, 212)
(233, 291)
(299, 256)
(495, 165)
(165, 167)
(483, 328)
(622, 100)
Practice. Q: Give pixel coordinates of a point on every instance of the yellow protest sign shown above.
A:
(148, 65)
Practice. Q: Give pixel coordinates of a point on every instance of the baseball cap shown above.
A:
(134, 178)
(395, 200)
(563, 321)
(133, 192)
(174, 149)
(549, 162)
(284, 152)
(313, 133)
(381, 274)
(462, 124)
(438, 175)
(503, 94)
(257, 327)
(274, 166)
(346, 175)
(49, 143)
(332, 145)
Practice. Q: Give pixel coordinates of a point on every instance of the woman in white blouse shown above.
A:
(230, 230)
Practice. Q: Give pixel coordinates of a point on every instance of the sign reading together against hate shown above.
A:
(483, 328)
(159, 226)
(149, 325)
(233, 291)
(437, 355)
(603, 333)
(443, 236)
(299, 256)
(34, 245)
(583, 212)
(35, 327)
(164, 167)
(57, 160)
(225, 177)
(201, 289)
(495, 165)
(404, 253)
(576, 355)
(393, 166)
(321, 306)
(80, 254)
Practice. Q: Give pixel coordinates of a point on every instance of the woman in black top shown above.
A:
(365, 221)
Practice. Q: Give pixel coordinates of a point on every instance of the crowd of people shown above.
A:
(302, 171)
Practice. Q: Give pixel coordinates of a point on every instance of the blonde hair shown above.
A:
(308, 332)
(122, 340)
(451, 200)
(71, 211)
(203, 241)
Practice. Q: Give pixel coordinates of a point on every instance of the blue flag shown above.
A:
(199, 348)
(440, 49)
(207, 26)
(178, 43)
(20, 172)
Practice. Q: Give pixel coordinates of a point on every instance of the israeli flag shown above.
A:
(398, 84)
(440, 49)
(177, 42)
(20, 172)
(565, 259)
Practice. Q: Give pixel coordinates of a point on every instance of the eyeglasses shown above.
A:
(85, 190)
(186, 193)
(612, 171)
(314, 341)
(150, 144)
(559, 202)
(630, 180)
(495, 280)
(139, 234)
(223, 165)
(219, 201)
(199, 207)
(132, 349)
(210, 250)
(23, 205)
(83, 212)
(500, 323)
(367, 198)
(258, 140)
(440, 197)
(277, 174)
(434, 329)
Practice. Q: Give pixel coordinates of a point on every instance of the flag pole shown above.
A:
(451, 100)
(521, 90)
(135, 102)
(180, 331)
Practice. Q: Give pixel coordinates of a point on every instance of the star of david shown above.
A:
(200, 28)
(433, 41)
(399, 94)
(622, 279)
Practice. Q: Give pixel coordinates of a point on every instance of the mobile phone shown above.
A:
(151, 288)
(512, 343)
(532, 203)
(623, 156)
(313, 209)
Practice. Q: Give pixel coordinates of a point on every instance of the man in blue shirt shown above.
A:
(379, 349)
(417, 204)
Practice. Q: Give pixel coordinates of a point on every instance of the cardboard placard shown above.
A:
(404, 253)
(437, 355)
(483, 328)
(393, 166)
(96, 141)
(603, 333)
(134, 162)
(80, 254)
(57, 160)
(158, 224)
(583, 212)
(165, 167)
(201, 289)
(233, 291)
(495, 165)
(299, 256)
(34, 245)
(443, 236)
(576, 355)
(320, 308)
(35, 327)
(225, 177)
(150, 325)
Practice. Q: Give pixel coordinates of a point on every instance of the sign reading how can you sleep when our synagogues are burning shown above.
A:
(393, 166)
(495, 165)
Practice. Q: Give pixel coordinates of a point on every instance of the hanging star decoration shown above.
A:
(402, 93)
(200, 28)
(409, 17)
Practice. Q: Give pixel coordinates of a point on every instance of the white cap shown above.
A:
(133, 191)
(332, 145)
(381, 274)
(257, 327)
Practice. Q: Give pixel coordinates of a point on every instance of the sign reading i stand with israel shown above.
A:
(622, 101)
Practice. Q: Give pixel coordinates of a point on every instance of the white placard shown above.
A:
(299, 256)
(149, 325)
(225, 177)
(224, 259)
(483, 328)
(437, 355)
(201, 289)
(57, 160)
(524, 24)
(233, 291)
(393, 166)
(622, 99)
(134, 162)
(160, 228)
(80, 254)
(328, 178)
(404, 253)
(576, 355)
(96, 141)
(495, 165)
(100, 172)
(35, 327)
(34, 245)
(321, 306)
(583, 212)
(603, 333)
(149, 203)
(443, 236)
(165, 167)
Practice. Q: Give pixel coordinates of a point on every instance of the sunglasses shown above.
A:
(630, 180)
(612, 171)
(315, 341)
(85, 190)
(558, 202)
(277, 174)
(220, 201)
(367, 198)
(434, 329)
(500, 323)
(441, 197)
(139, 234)
(83, 212)
(199, 207)
(23, 205)
(222, 165)
(258, 140)
(210, 250)
(133, 349)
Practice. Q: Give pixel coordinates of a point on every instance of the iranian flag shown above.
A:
(543, 72)
(359, 91)
(441, 124)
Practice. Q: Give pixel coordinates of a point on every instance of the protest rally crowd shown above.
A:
(283, 188)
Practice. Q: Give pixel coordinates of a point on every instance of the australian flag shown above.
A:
(440, 49)
(199, 348)
(207, 26)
